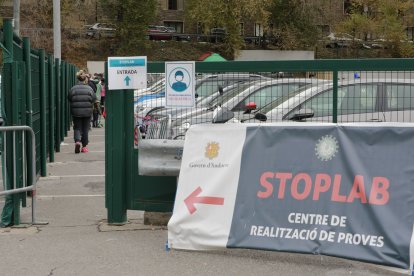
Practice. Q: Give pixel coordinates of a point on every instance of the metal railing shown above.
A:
(13, 159)
(160, 129)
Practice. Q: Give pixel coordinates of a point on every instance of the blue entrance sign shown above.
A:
(127, 73)
(127, 62)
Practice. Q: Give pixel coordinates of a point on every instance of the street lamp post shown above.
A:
(56, 30)
(16, 16)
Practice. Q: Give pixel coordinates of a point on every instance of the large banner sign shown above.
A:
(339, 190)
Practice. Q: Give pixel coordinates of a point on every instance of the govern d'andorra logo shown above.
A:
(212, 150)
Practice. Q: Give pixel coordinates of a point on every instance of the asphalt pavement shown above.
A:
(78, 241)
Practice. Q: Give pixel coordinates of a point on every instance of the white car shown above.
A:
(241, 102)
(205, 87)
(99, 30)
(156, 87)
(362, 100)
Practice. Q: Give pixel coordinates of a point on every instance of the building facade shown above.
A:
(6, 9)
(171, 14)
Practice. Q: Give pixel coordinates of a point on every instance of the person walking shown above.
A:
(81, 97)
(103, 92)
(97, 106)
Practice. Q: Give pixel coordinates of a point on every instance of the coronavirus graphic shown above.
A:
(326, 148)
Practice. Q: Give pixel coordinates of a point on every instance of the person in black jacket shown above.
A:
(81, 97)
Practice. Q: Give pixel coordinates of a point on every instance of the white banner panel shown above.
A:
(207, 187)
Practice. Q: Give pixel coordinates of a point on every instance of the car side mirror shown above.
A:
(302, 114)
(261, 117)
(222, 115)
(249, 107)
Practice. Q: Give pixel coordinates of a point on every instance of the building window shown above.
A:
(347, 6)
(258, 29)
(177, 25)
(172, 4)
(200, 28)
(324, 29)
(410, 33)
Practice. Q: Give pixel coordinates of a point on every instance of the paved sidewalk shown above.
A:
(77, 241)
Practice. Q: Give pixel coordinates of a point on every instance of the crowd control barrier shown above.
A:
(15, 160)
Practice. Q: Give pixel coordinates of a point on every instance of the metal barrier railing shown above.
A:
(13, 155)
(160, 129)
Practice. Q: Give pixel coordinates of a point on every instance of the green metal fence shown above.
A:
(34, 89)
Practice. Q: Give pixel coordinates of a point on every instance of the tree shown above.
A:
(227, 14)
(132, 18)
(383, 20)
(294, 23)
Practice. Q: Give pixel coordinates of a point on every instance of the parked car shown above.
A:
(171, 29)
(144, 120)
(362, 100)
(202, 105)
(205, 87)
(344, 40)
(241, 102)
(218, 31)
(99, 30)
(158, 33)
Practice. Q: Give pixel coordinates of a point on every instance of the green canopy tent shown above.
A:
(214, 57)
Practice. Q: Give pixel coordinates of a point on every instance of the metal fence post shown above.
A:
(64, 99)
(67, 108)
(115, 177)
(335, 97)
(58, 100)
(52, 109)
(43, 130)
(29, 105)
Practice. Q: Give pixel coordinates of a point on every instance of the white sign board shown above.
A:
(180, 84)
(127, 72)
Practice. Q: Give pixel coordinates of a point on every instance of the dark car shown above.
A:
(158, 33)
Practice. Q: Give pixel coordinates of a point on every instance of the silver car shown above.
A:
(204, 88)
(243, 102)
(373, 100)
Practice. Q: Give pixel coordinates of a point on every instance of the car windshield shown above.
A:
(206, 88)
(231, 93)
(158, 86)
(282, 99)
